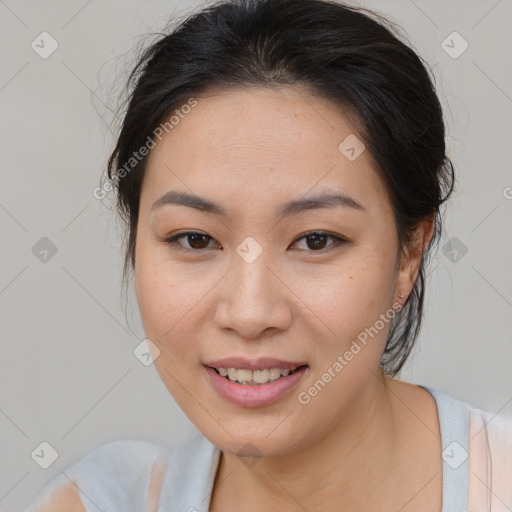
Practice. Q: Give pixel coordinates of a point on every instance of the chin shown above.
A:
(243, 441)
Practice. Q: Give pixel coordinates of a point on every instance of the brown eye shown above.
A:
(316, 241)
(195, 241)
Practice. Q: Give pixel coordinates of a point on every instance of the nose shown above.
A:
(253, 298)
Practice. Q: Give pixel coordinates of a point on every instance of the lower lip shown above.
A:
(257, 395)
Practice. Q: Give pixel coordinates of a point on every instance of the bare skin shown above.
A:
(393, 467)
(66, 499)
(244, 487)
(364, 442)
(359, 442)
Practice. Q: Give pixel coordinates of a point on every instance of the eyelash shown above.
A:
(173, 240)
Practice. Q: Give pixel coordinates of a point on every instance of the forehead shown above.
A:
(260, 144)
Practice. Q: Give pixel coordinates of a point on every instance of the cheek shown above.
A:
(163, 306)
(161, 300)
(164, 303)
(153, 296)
(170, 298)
(351, 297)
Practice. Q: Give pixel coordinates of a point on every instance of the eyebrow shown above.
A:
(319, 201)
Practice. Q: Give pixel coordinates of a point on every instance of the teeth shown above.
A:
(274, 373)
(253, 377)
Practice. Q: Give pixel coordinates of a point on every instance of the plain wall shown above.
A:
(68, 374)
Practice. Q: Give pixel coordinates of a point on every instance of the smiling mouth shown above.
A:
(256, 377)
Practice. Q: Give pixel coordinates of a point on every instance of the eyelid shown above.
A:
(172, 241)
(338, 240)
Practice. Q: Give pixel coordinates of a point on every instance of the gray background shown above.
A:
(68, 374)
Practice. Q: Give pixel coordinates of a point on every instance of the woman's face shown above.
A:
(252, 284)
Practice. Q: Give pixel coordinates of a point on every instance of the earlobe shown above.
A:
(412, 256)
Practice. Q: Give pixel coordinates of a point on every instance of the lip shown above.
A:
(260, 395)
(263, 363)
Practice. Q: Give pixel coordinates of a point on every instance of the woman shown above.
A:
(281, 168)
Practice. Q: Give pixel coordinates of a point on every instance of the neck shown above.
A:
(351, 464)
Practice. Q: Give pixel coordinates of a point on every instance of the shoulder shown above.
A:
(133, 474)
(485, 442)
(110, 476)
(494, 432)
(491, 458)
(121, 454)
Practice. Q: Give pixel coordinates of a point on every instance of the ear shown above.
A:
(412, 256)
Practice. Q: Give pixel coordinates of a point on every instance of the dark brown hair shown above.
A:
(346, 54)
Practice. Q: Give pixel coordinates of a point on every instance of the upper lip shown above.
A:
(262, 363)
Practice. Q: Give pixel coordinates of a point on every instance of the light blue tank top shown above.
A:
(115, 476)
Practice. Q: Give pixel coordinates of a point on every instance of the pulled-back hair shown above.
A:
(348, 55)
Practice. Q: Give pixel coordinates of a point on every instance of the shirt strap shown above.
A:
(155, 486)
(479, 464)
